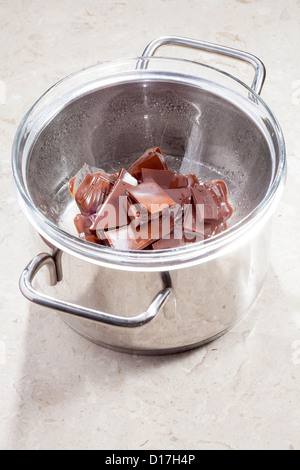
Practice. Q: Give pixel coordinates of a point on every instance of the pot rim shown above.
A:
(158, 260)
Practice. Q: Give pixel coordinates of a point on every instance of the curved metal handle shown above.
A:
(33, 295)
(260, 70)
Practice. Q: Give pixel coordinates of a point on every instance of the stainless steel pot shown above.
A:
(207, 122)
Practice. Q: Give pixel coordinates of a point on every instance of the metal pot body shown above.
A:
(206, 122)
(204, 302)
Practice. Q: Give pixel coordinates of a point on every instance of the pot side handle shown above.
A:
(260, 70)
(45, 259)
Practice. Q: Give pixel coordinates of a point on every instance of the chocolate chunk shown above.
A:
(166, 179)
(151, 196)
(83, 223)
(180, 195)
(139, 236)
(213, 196)
(88, 169)
(92, 192)
(125, 238)
(152, 159)
(193, 219)
(113, 212)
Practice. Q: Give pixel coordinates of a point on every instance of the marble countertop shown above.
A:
(58, 390)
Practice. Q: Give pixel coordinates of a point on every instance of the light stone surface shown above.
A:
(59, 391)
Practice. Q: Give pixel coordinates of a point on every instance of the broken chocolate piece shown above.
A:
(180, 195)
(166, 179)
(152, 159)
(92, 192)
(151, 196)
(193, 220)
(140, 236)
(213, 197)
(88, 169)
(113, 212)
(83, 223)
(125, 239)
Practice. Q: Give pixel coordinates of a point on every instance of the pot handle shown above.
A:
(45, 259)
(260, 70)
